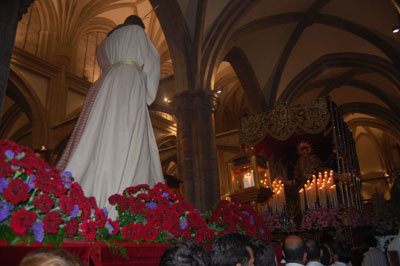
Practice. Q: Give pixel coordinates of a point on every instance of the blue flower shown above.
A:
(75, 211)
(38, 231)
(20, 155)
(33, 177)
(251, 219)
(3, 184)
(165, 194)
(47, 170)
(67, 174)
(30, 184)
(245, 212)
(9, 154)
(109, 227)
(105, 211)
(261, 230)
(183, 223)
(4, 210)
(151, 205)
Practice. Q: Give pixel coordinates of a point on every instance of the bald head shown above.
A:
(294, 249)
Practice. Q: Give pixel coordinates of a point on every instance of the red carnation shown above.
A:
(66, 204)
(134, 231)
(137, 206)
(150, 232)
(22, 221)
(16, 192)
(5, 169)
(100, 218)
(44, 203)
(195, 220)
(115, 199)
(76, 193)
(88, 230)
(71, 227)
(204, 234)
(51, 222)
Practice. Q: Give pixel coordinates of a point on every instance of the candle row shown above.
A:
(319, 192)
(278, 201)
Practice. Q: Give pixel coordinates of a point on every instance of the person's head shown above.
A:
(264, 253)
(185, 253)
(134, 20)
(342, 252)
(313, 250)
(326, 258)
(232, 249)
(371, 242)
(50, 257)
(294, 249)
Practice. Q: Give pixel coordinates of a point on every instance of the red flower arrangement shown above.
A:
(42, 204)
(236, 217)
(158, 215)
(319, 219)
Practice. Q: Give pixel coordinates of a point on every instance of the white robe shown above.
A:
(117, 148)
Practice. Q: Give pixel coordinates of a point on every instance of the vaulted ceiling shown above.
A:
(261, 52)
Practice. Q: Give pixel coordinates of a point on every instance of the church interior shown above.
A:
(221, 61)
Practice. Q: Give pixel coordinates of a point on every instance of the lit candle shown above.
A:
(302, 200)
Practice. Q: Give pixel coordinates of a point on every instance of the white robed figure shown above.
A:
(116, 148)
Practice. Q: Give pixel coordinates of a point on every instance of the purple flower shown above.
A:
(47, 170)
(183, 223)
(251, 219)
(30, 184)
(109, 227)
(20, 155)
(38, 231)
(165, 194)
(245, 212)
(9, 154)
(33, 177)
(67, 174)
(75, 211)
(3, 184)
(151, 205)
(105, 211)
(4, 210)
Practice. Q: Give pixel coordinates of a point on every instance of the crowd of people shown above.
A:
(236, 249)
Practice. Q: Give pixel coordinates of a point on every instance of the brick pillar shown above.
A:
(10, 13)
(197, 156)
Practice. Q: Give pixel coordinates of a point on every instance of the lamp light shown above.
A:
(396, 29)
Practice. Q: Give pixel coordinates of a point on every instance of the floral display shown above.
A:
(158, 215)
(42, 204)
(272, 221)
(322, 218)
(235, 217)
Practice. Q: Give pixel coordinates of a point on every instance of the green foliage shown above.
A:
(55, 240)
(117, 248)
(126, 218)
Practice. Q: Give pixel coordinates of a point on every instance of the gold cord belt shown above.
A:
(123, 62)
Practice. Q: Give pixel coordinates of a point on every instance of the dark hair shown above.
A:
(185, 253)
(326, 256)
(230, 249)
(343, 252)
(313, 250)
(371, 242)
(264, 253)
(294, 248)
(131, 20)
(134, 20)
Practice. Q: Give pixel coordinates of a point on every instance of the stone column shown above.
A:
(197, 156)
(10, 13)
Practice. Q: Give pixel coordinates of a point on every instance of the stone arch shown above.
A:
(360, 61)
(35, 111)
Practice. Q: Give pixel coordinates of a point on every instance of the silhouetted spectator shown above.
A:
(373, 256)
(264, 253)
(232, 249)
(185, 253)
(294, 251)
(313, 253)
